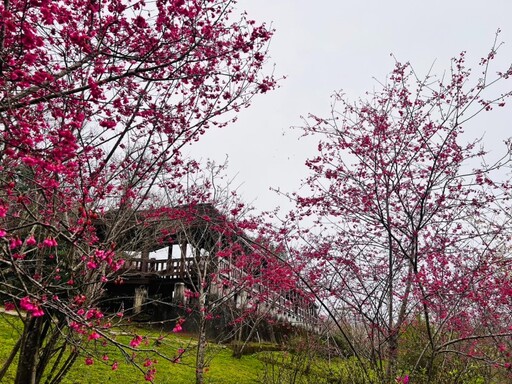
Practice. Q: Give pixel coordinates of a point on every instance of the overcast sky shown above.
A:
(327, 45)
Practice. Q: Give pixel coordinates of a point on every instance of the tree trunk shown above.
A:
(392, 347)
(201, 346)
(392, 355)
(29, 352)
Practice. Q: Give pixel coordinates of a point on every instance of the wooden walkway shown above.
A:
(290, 309)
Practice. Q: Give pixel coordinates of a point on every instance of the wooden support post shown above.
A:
(179, 294)
(241, 299)
(214, 290)
(141, 294)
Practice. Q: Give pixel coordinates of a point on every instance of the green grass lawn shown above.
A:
(258, 367)
(223, 368)
(265, 363)
(298, 365)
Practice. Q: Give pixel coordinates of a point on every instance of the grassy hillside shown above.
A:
(223, 368)
(300, 364)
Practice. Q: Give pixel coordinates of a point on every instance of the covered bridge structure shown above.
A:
(170, 253)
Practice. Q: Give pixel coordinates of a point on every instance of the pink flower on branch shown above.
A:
(135, 342)
(178, 326)
(15, 243)
(150, 375)
(31, 307)
(402, 380)
(49, 242)
(30, 241)
(94, 335)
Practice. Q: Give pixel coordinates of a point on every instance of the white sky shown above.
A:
(327, 45)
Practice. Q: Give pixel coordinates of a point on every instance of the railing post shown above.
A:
(168, 266)
(183, 247)
(145, 259)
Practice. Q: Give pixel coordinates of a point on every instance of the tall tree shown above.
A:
(409, 227)
(96, 101)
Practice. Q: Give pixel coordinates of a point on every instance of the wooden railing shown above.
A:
(173, 268)
(295, 311)
(178, 268)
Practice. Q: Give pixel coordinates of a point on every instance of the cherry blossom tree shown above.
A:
(406, 223)
(235, 279)
(96, 101)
